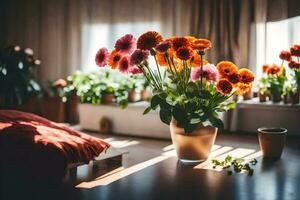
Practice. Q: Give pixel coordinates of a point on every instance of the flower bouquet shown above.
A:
(189, 91)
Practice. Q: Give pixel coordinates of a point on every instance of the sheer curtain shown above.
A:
(275, 29)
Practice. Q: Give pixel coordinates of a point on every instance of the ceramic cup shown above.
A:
(271, 141)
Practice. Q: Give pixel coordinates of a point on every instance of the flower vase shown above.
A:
(194, 146)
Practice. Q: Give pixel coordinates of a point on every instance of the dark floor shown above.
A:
(161, 176)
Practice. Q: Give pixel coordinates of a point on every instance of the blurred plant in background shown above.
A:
(17, 76)
(102, 87)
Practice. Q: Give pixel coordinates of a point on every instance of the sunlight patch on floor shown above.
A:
(217, 152)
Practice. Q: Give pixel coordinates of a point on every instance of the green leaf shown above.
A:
(216, 122)
(165, 116)
(195, 121)
(155, 100)
(147, 110)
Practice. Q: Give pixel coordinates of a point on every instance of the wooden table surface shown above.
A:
(151, 171)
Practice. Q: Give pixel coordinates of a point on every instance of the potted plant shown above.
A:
(53, 107)
(294, 65)
(19, 88)
(287, 94)
(190, 94)
(276, 79)
(145, 91)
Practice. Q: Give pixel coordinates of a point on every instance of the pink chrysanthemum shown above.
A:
(138, 56)
(102, 57)
(163, 46)
(135, 70)
(126, 44)
(210, 73)
(124, 65)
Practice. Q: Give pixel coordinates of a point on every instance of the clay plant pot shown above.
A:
(71, 110)
(194, 146)
(262, 96)
(53, 109)
(107, 99)
(248, 95)
(286, 99)
(145, 94)
(132, 96)
(295, 97)
(276, 98)
(271, 141)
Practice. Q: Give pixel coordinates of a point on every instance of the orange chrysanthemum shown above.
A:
(184, 53)
(191, 39)
(178, 42)
(226, 68)
(196, 61)
(234, 78)
(114, 59)
(149, 40)
(242, 88)
(161, 60)
(265, 68)
(224, 86)
(201, 44)
(246, 76)
(274, 70)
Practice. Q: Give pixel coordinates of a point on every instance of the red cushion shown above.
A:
(42, 147)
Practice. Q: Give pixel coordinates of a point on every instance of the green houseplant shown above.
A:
(188, 91)
(17, 76)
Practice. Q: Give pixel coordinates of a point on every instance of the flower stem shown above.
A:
(157, 68)
(201, 71)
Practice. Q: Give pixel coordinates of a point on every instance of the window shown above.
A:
(95, 36)
(272, 38)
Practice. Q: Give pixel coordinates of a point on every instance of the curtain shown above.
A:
(227, 24)
(54, 28)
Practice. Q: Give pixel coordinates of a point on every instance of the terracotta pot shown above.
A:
(132, 96)
(107, 99)
(71, 111)
(271, 141)
(295, 97)
(276, 98)
(248, 95)
(145, 94)
(286, 99)
(53, 109)
(195, 146)
(262, 96)
(32, 105)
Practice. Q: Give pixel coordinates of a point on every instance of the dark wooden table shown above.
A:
(163, 177)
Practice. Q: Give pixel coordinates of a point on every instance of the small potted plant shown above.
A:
(276, 79)
(263, 92)
(19, 89)
(107, 95)
(53, 107)
(294, 65)
(287, 94)
(191, 92)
